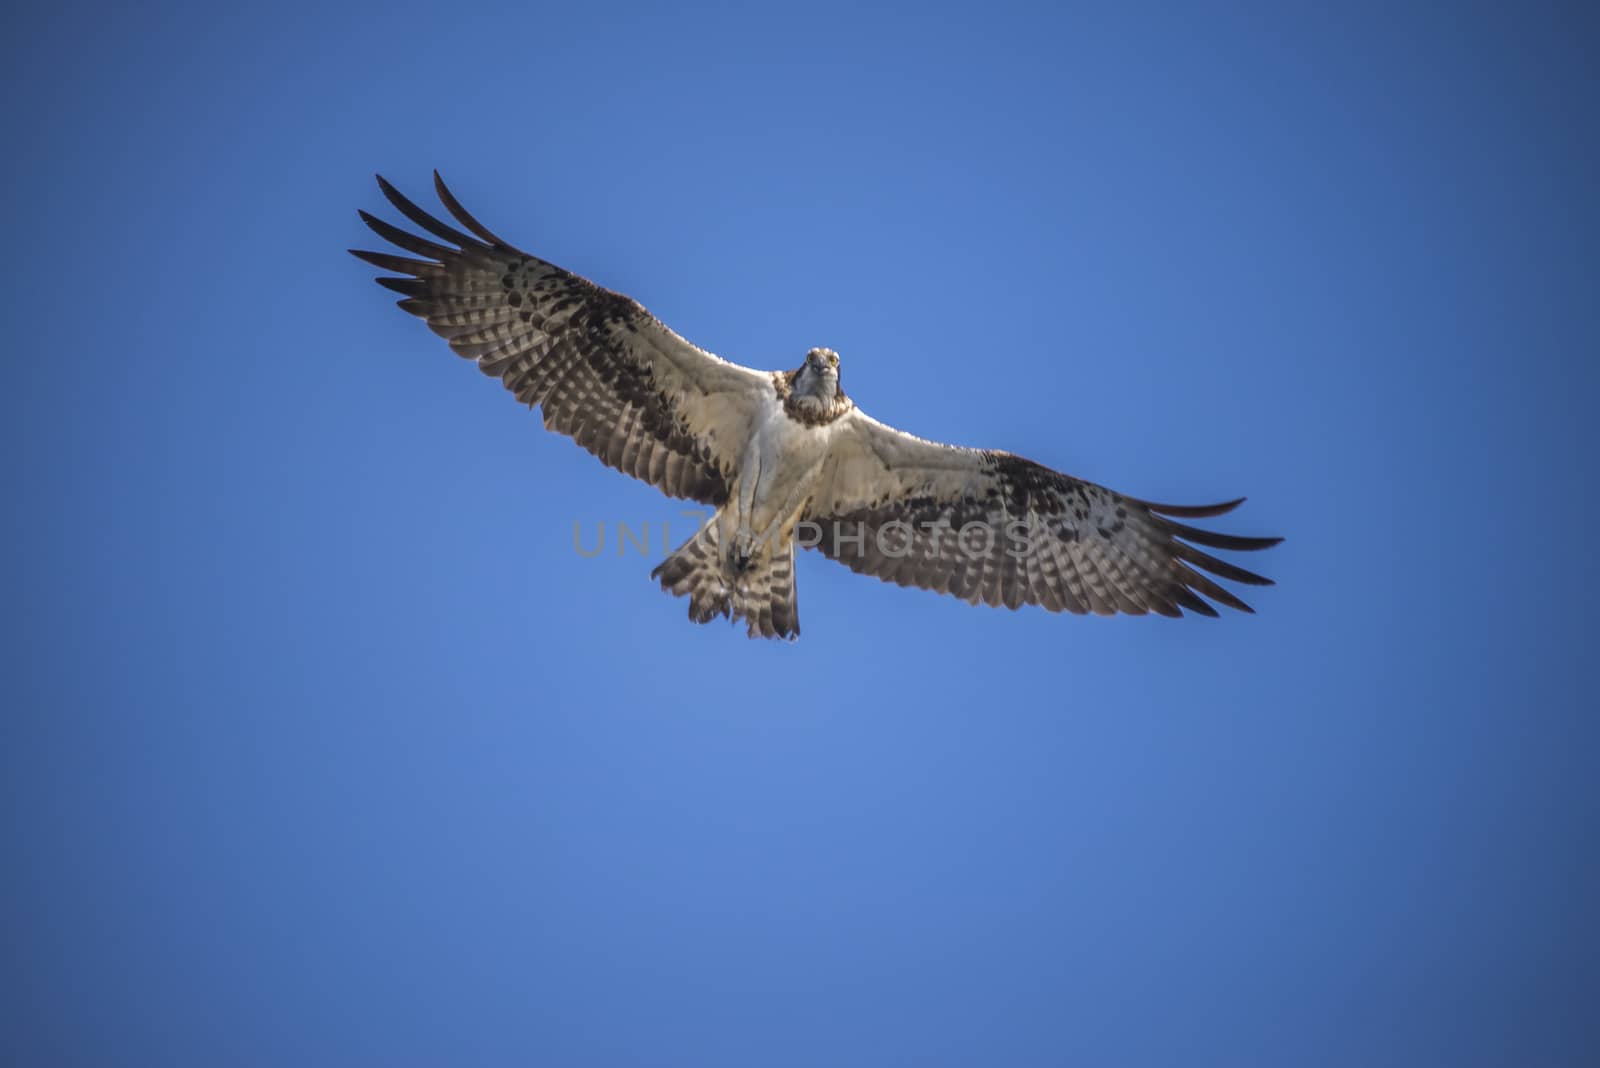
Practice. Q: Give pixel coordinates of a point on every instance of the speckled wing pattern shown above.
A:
(993, 528)
(604, 371)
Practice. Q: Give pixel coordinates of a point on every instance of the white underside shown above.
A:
(782, 466)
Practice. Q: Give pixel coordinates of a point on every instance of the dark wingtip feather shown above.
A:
(1188, 599)
(1192, 584)
(1204, 586)
(411, 287)
(430, 223)
(398, 264)
(1236, 542)
(462, 216)
(1220, 568)
(1194, 511)
(402, 239)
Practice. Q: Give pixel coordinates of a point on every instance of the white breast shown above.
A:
(783, 461)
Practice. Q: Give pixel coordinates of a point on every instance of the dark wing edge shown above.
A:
(602, 369)
(1180, 534)
(1078, 547)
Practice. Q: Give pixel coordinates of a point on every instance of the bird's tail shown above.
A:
(761, 592)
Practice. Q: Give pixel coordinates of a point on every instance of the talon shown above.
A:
(740, 553)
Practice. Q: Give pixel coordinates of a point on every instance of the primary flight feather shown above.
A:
(786, 458)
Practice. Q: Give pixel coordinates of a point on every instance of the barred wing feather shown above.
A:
(604, 371)
(992, 527)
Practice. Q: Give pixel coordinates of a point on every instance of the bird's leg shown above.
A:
(741, 550)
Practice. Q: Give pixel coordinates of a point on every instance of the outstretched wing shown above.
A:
(605, 372)
(988, 526)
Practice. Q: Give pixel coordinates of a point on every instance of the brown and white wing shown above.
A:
(604, 371)
(988, 526)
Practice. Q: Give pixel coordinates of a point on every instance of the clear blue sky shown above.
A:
(322, 746)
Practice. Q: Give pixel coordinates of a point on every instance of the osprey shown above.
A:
(787, 458)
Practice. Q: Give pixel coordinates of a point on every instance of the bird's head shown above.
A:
(819, 375)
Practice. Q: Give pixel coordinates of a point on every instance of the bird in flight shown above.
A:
(787, 459)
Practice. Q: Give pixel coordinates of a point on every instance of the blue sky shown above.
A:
(323, 746)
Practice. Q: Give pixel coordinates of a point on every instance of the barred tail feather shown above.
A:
(695, 570)
(784, 606)
(763, 595)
